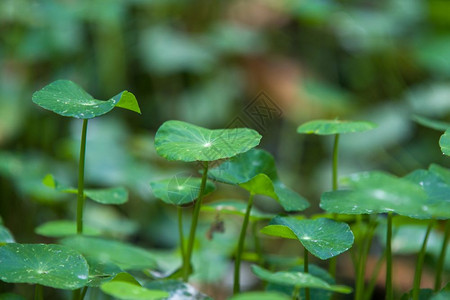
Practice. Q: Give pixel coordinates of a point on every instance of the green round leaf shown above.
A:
(50, 265)
(437, 190)
(127, 257)
(63, 228)
(260, 296)
(66, 98)
(323, 238)
(244, 167)
(180, 190)
(298, 279)
(125, 287)
(327, 127)
(444, 142)
(377, 192)
(177, 140)
(116, 196)
(236, 207)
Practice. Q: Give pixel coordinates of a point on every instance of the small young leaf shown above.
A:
(279, 231)
(115, 196)
(260, 185)
(180, 190)
(323, 238)
(124, 286)
(50, 265)
(328, 127)
(127, 257)
(298, 279)
(63, 228)
(177, 140)
(128, 101)
(444, 142)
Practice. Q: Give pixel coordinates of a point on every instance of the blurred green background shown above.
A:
(266, 64)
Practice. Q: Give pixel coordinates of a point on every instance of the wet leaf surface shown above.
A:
(324, 238)
(50, 265)
(66, 98)
(177, 140)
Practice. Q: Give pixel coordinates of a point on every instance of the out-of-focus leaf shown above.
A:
(124, 286)
(298, 279)
(63, 228)
(235, 207)
(127, 257)
(377, 192)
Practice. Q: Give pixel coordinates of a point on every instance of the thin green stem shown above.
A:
(419, 263)
(198, 204)
(83, 292)
(257, 242)
(80, 196)
(240, 249)
(180, 231)
(333, 260)
(38, 292)
(440, 262)
(306, 270)
(335, 161)
(389, 289)
(373, 280)
(367, 242)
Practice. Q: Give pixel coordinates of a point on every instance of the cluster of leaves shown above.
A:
(81, 261)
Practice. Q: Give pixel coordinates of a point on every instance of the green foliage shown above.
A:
(327, 127)
(125, 256)
(298, 279)
(66, 98)
(62, 228)
(179, 190)
(50, 265)
(177, 140)
(377, 192)
(444, 142)
(322, 237)
(125, 287)
(243, 168)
